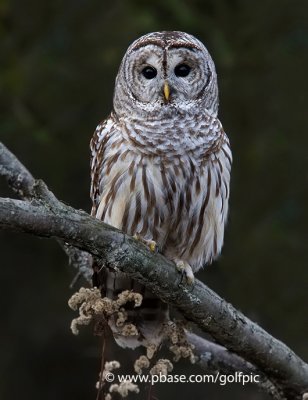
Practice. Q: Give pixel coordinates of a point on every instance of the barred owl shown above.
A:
(161, 165)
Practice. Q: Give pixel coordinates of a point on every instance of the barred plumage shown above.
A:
(161, 166)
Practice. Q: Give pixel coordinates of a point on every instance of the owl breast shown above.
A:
(177, 198)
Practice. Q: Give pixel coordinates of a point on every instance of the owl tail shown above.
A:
(149, 318)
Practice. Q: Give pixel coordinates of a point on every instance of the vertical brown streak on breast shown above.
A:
(176, 170)
(188, 196)
(109, 194)
(179, 211)
(218, 183)
(183, 251)
(208, 192)
(156, 217)
(137, 213)
(189, 185)
(219, 163)
(133, 182)
(132, 172)
(167, 192)
(115, 144)
(227, 156)
(191, 225)
(201, 214)
(111, 162)
(131, 167)
(119, 143)
(172, 182)
(215, 243)
(124, 154)
(183, 170)
(162, 216)
(192, 168)
(155, 233)
(152, 202)
(145, 184)
(222, 205)
(125, 216)
(104, 211)
(144, 227)
(116, 185)
(197, 185)
(196, 239)
(116, 182)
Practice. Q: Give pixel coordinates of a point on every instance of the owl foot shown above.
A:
(151, 244)
(185, 268)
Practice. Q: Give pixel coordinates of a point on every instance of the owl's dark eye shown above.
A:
(149, 72)
(182, 70)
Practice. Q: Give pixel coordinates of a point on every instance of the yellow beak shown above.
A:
(166, 91)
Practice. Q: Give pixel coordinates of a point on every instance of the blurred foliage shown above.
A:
(58, 64)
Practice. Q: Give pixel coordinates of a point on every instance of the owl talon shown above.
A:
(185, 268)
(151, 244)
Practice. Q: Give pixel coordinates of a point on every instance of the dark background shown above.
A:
(58, 64)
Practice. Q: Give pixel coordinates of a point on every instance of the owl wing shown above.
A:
(98, 147)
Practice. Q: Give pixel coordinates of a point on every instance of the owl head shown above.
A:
(164, 71)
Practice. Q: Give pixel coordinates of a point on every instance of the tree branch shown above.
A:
(216, 358)
(199, 304)
(16, 174)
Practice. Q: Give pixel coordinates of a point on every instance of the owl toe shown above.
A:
(185, 268)
(151, 244)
